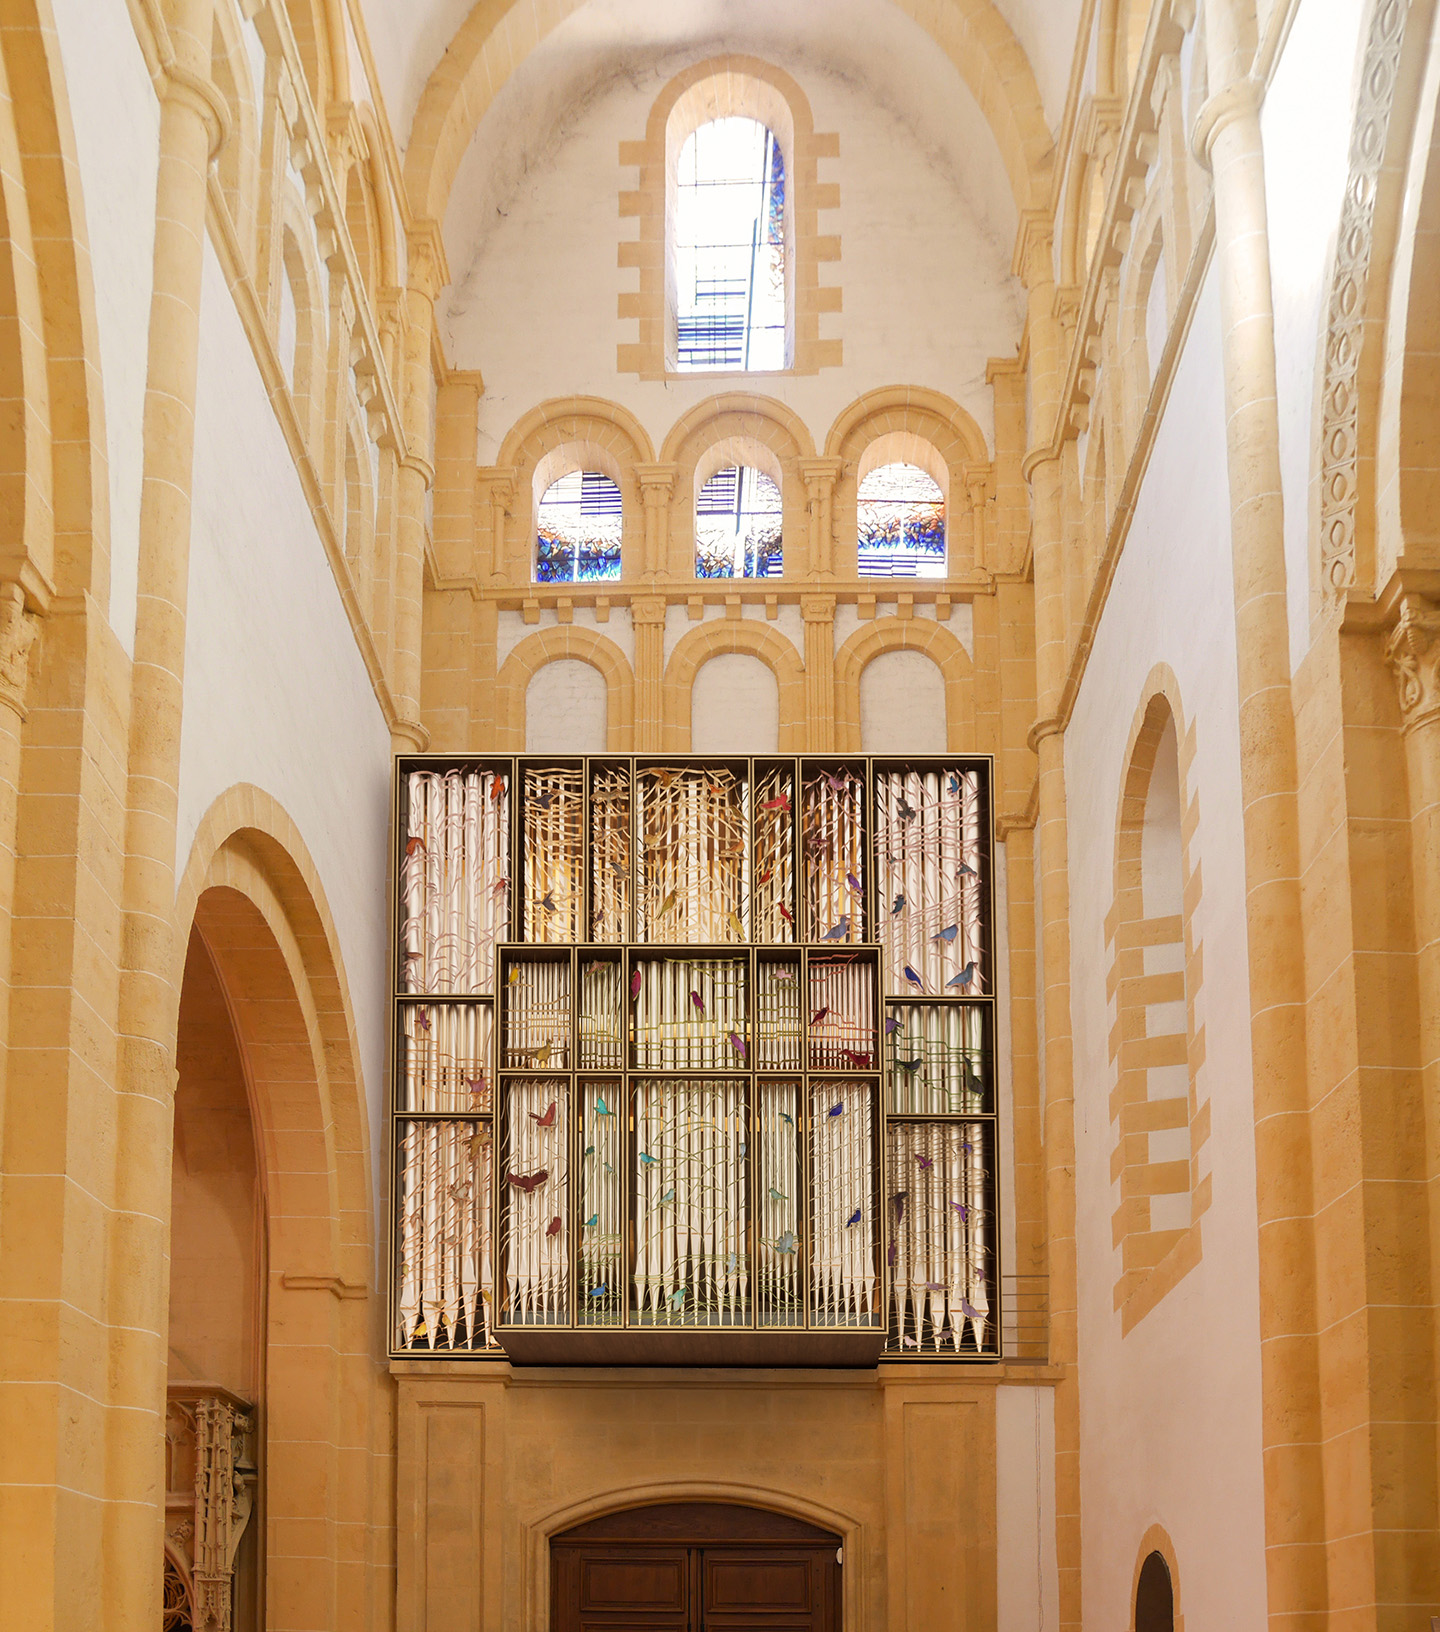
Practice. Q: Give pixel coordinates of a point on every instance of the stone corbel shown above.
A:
(347, 136)
(427, 271)
(1412, 649)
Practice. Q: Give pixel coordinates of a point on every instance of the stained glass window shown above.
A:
(729, 245)
(577, 531)
(901, 515)
(737, 525)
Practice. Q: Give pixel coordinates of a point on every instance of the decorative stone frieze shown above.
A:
(1345, 312)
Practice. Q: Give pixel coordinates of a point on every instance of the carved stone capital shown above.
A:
(820, 476)
(817, 608)
(1034, 259)
(18, 629)
(427, 269)
(1412, 649)
(657, 482)
(648, 609)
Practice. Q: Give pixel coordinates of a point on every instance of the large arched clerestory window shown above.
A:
(738, 525)
(577, 529)
(900, 514)
(728, 222)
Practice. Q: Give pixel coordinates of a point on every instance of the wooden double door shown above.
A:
(695, 1567)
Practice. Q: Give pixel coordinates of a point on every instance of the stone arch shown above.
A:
(737, 418)
(899, 635)
(252, 893)
(565, 640)
(716, 639)
(539, 1526)
(300, 272)
(486, 49)
(721, 87)
(238, 161)
(910, 415)
(1143, 265)
(55, 490)
(318, 27)
(602, 436)
(373, 193)
(1156, 1249)
(1157, 1540)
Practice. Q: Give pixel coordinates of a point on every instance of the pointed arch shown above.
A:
(719, 639)
(922, 635)
(552, 645)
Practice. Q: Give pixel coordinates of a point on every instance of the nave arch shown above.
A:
(253, 899)
(895, 634)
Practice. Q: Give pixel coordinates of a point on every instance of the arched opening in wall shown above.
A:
(217, 1297)
(307, 24)
(727, 250)
(900, 509)
(578, 525)
(902, 705)
(1156, 1045)
(1154, 1597)
(697, 1563)
(566, 709)
(734, 707)
(362, 225)
(738, 514)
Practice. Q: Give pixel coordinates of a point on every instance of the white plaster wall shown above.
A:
(1305, 124)
(902, 705)
(565, 709)
(734, 707)
(275, 692)
(1028, 1595)
(1170, 1424)
(116, 119)
(925, 241)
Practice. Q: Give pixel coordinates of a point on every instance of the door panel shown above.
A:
(754, 1584)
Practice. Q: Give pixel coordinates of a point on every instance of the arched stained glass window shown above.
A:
(901, 515)
(737, 525)
(577, 530)
(729, 248)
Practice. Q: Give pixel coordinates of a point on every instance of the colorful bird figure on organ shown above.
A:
(547, 1120)
(965, 977)
(737, 1042)
(636, 981)
(838, 932)
(912, 977)
(947, 934)
(779, 802)
(856, 886)
(698, 1004)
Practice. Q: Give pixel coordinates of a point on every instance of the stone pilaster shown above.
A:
(820, 477)
(648, 614)
(819, 614)
(657, 486)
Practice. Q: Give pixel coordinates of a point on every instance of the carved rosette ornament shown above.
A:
(1345, 314)
(1413, 652)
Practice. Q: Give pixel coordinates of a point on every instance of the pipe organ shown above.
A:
(694, 1060)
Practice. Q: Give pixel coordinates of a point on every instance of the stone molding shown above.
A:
(1345, 310)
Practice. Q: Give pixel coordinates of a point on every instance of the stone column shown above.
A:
(136, 1305)
(426, 277)
(820, 477)
(1413, 651)
(1227, 135)
(18, 629)
(648, 615)
(818, 612)
(1042, 471)
(657, 485)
